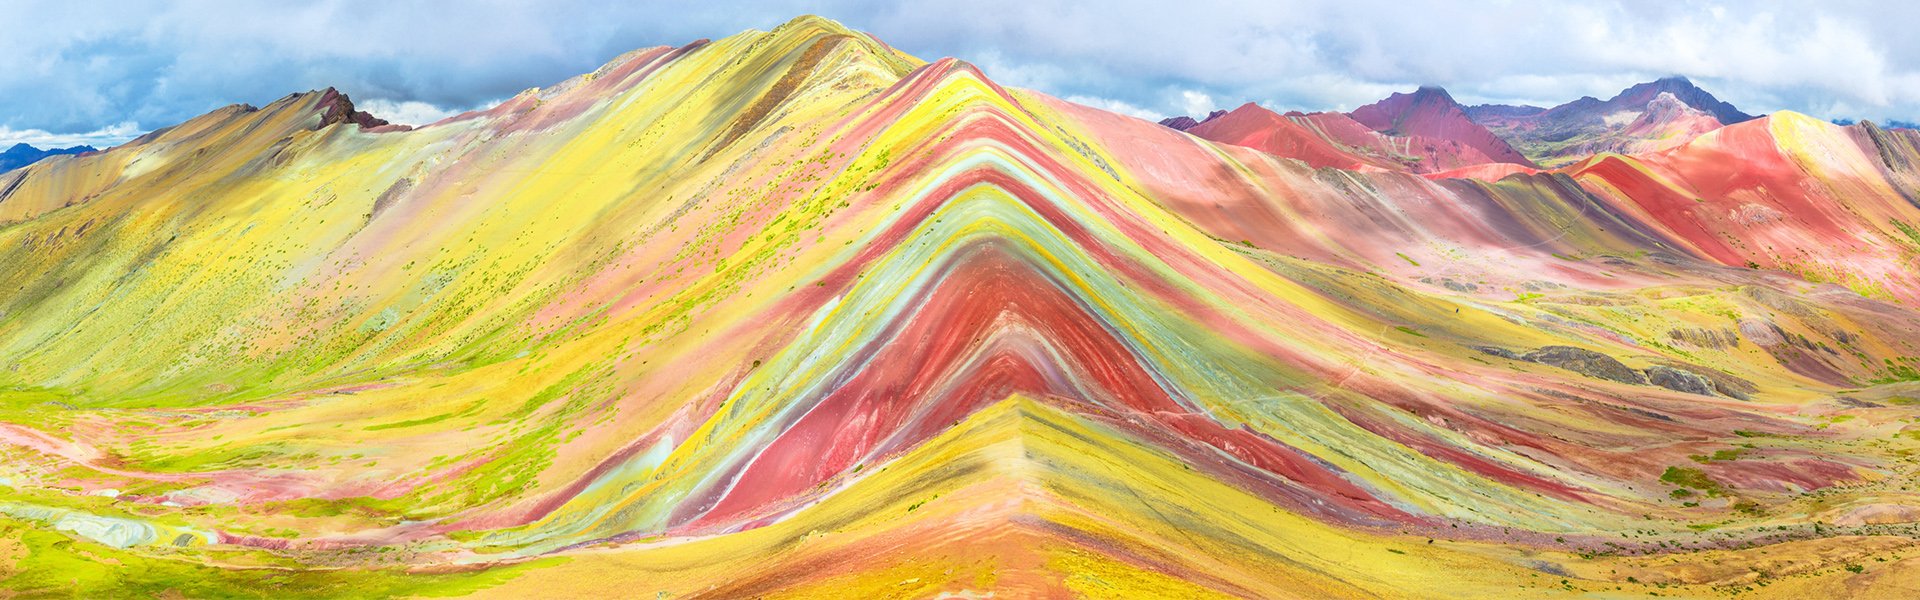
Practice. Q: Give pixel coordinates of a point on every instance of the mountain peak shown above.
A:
(1431, 112)
(1673, 83)
(1639, 95)
(813, 23)
(1646, 116)
(1433, 93)
(816, 26)
(1668, 103)
(1426, 95)
(337, 108)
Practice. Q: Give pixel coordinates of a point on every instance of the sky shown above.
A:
(101, 72)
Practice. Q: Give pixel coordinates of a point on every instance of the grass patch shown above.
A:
(1719, 456)
(1906, 368)
(1694, 479)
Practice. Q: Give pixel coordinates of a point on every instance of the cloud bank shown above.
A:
(87, 67)
(111, 135)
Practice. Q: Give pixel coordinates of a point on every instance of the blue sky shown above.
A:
(101, 72)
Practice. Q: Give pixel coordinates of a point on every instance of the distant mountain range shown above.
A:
(1434, 133)
(1893, 124)
(1632, 98)
(1649, 116)
(1422, 132)
(21, 155)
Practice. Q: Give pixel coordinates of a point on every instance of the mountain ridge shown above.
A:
(1632, 121)
(791, 312)
(22, 154)
(1626, 123)
(1432, 113)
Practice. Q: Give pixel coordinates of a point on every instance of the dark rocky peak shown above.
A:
(1682, 88)
(1184, 122)
(338, 108)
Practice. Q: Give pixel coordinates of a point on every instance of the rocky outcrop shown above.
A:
(1679, 381)
(1705, 338)
(1184, 122)
(1181, 122)
(1601, 366)
(1585, 362)
(339, 109)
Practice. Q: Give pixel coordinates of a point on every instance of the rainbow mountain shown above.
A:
(795, 314)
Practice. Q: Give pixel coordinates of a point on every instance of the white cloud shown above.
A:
(408, 112)
(1768, 54)
(1116, 106)
(111, 135)
(80, 66)
(1197, 104)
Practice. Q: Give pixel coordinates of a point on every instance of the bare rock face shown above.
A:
(1679, 380)
(1500, 352)
(1594, 364)
(339, 109)
(1585, 362)
(1181, 122)
(1184, 122)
